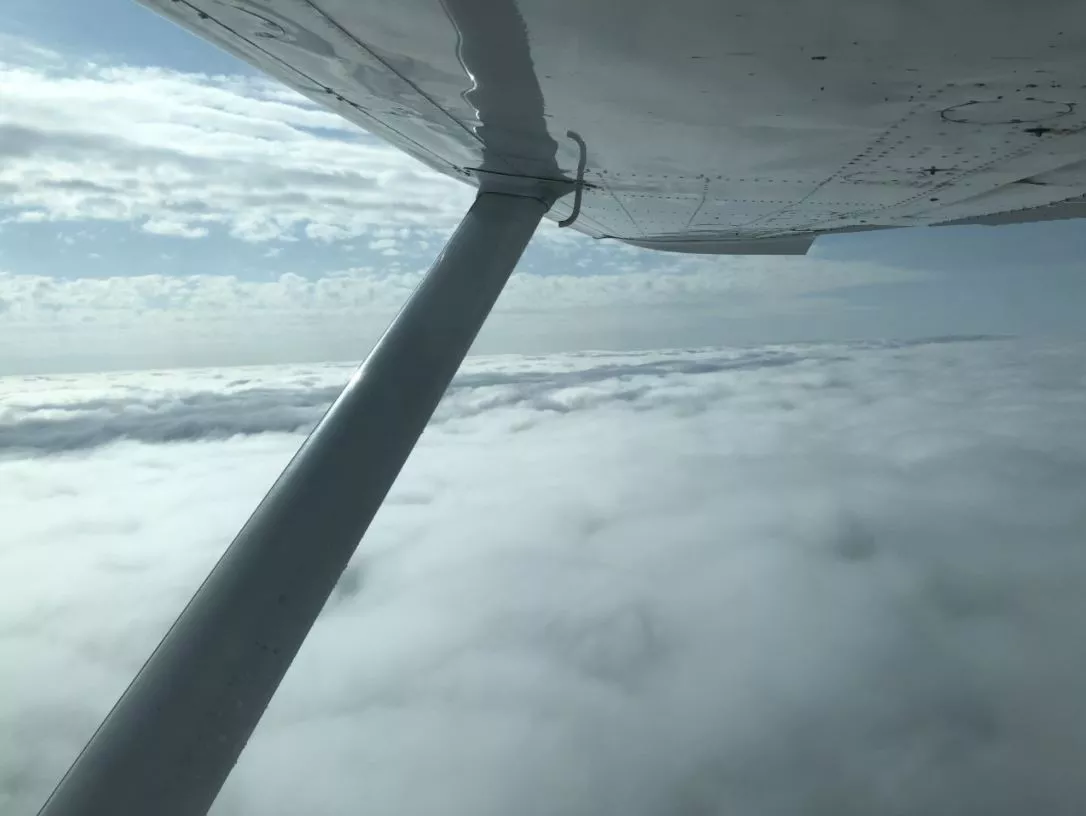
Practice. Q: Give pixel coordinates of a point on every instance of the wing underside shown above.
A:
(710, 126)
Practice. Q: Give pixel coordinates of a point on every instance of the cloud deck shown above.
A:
(799, 579)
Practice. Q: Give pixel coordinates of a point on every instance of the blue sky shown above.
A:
(162, 204)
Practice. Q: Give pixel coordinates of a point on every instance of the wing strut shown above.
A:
(171, 740)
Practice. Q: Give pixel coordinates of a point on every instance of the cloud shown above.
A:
(179, 229)
(181, 153)
(704, 281)
(66, 413)
(58, 414)
(791, 580)
(159, 319)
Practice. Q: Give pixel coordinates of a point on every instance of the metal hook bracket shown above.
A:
(578, 189)
(544, 188)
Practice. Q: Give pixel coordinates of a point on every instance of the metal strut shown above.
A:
(169, 743)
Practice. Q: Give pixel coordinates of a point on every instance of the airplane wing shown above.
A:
(737, 126)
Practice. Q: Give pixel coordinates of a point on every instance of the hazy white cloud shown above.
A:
(815, 580)
(681, 283)
(180, 153)
(179, 229)
(53, 323)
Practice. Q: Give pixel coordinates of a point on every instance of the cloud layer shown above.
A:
(181, 153)
(151, 320)
(791, 580)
